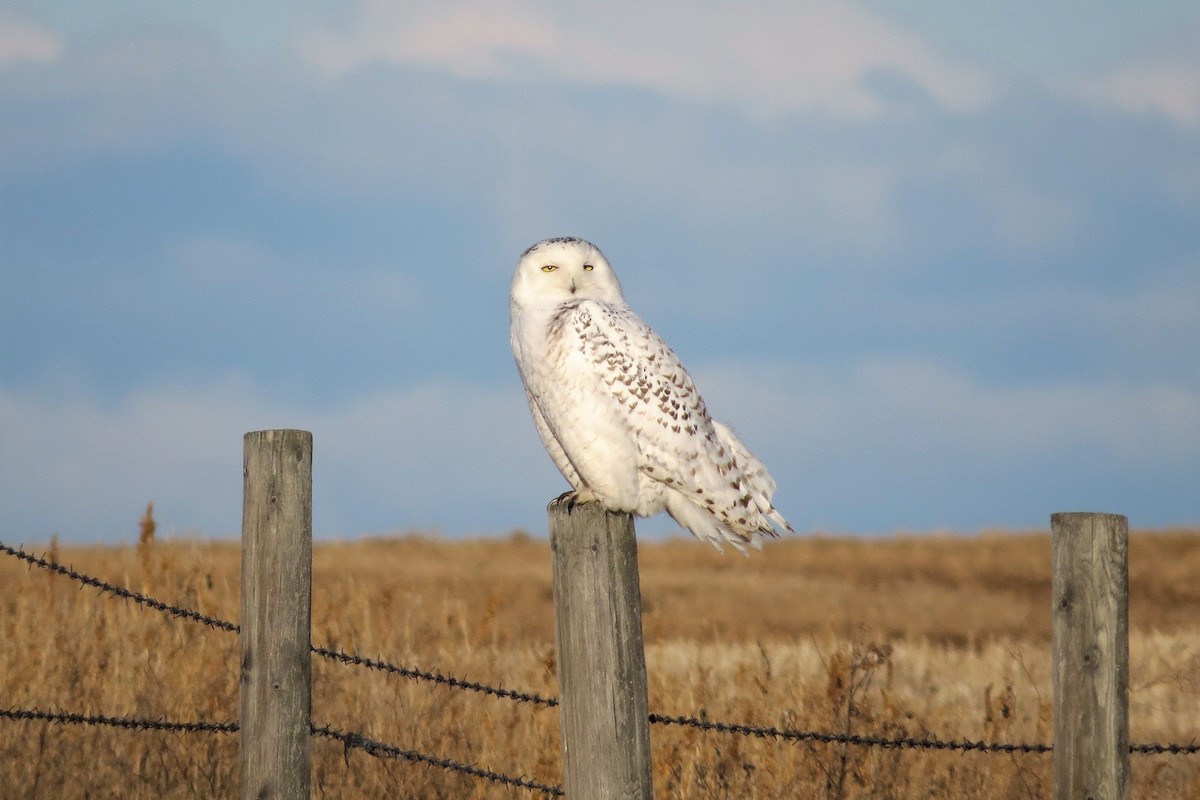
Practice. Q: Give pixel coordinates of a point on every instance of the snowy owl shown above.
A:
(617, 411)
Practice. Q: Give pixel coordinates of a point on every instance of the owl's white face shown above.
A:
(558, 270)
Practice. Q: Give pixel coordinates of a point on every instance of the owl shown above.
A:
(617, 411)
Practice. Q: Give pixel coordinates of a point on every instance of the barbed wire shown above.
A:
(434, 677)
(849, 738)
(783, 734)
(132, 723)
(381, 750)
(120, 591)
(349, 739)
(1154, 749)
(233, 627)
(909, 742)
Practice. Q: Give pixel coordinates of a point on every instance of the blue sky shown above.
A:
(939, 267)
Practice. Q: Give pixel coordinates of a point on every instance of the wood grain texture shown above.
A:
(276, 674)
(1090, 646)
(603, 711)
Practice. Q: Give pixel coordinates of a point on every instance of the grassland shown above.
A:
(943, 636)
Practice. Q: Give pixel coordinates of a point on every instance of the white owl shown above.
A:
(616, 409)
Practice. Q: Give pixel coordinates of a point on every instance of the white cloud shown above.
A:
(23, 41)
(772, 56)
(1164, 84)
(1170, 89)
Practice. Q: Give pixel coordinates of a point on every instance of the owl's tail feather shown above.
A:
(708, 528)
(756, 480)
(779, 521)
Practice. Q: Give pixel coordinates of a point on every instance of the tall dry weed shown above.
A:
(145, 547)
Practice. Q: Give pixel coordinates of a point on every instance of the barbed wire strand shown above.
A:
(910, 742)
(232, 627)
(120, 591)
(458, 683)
(349, 739)
(536, 699)
(381, 750)
(1154, 749)
(849, 738)
(132, 723)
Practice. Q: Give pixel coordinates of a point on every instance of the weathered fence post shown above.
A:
(603, 711)
(276, 679)
(1090, 589)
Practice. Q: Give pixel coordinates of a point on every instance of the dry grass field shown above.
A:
(940, 636)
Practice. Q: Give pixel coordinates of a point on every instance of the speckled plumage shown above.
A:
(617, 411)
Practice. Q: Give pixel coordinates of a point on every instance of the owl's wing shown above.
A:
(678, 444)
(551, 443)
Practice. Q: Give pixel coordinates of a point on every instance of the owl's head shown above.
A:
(565, 268)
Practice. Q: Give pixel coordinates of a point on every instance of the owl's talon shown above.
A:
(576, 498)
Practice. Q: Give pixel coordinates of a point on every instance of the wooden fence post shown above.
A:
(603, 711)
(1090, 590)
(276, 676)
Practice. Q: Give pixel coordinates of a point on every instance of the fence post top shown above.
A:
(566, 504)
(279, 432)
(1069, 516)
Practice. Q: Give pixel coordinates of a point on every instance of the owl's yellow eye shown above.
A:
(549, 268)
(588, 268)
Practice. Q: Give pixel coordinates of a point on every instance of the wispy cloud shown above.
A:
(1164, 82)
(22, 40)
(775, 57)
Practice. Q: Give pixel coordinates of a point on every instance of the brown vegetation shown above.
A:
(912, 635)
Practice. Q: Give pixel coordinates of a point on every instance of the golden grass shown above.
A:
(911, 635)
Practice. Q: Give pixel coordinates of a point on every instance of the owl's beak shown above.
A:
(572, 287)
